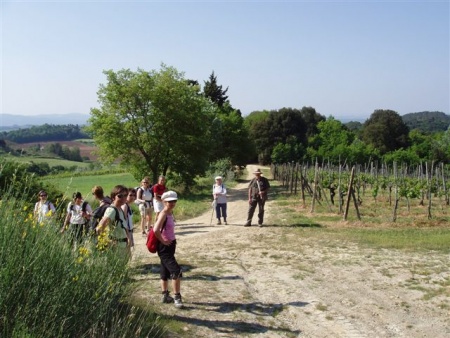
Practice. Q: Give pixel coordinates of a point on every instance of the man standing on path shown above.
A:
(257, 195)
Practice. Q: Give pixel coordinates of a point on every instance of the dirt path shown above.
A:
(237, 283)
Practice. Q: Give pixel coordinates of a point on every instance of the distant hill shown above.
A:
(12, 122)
(427, 122)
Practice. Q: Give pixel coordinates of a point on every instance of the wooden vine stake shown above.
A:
(351, 195)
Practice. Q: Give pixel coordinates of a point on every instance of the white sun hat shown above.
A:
(169, 196)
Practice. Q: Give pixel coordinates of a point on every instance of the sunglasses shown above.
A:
(131, 195)
(145, 182)
(122, 195)
(172, 202)
(44, 195)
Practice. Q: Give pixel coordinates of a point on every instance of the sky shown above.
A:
(346, 59)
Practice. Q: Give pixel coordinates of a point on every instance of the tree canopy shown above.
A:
(214, 92)
(385, 131)
(153, 122)
(287, 125)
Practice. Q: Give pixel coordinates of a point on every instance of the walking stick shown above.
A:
(213, 205)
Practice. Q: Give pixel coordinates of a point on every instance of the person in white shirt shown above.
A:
(43, 209)
(78, 215)
(144, 199)
(220, 198)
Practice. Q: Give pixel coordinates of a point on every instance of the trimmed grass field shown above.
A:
(84, 184)
(50, 160)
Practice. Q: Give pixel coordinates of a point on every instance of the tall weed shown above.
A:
(50, 289)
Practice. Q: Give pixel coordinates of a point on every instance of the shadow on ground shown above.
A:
(239, 326)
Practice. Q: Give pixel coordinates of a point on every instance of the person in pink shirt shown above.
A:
(164, 229)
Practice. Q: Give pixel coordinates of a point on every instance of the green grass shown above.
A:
(411, 232)
(85, 183)
(52, 162)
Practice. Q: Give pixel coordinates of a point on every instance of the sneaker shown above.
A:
(247, 224)
(260, 225)
(225, 223)
(178, 302)
(144, 233)
(166, 297)
(219, 223)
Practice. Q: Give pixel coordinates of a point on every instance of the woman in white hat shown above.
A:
(220, 199)
(164, 229)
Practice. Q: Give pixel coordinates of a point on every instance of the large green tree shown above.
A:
(332, 142)
(153, 122)
(281, 125)
(230, 137)
(385, 131)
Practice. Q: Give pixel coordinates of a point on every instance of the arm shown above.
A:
(263, 192)
(104, 222)
(158, 227)
(139, 196)
(88, 212)
(250, 191)
(66, 221)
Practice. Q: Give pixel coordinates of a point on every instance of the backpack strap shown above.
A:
(83, 206)
(118, 219)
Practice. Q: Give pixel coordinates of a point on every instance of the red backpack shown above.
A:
(152, 240)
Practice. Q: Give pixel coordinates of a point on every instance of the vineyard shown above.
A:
(370, 193)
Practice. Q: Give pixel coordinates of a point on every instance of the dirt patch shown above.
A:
(272, 282)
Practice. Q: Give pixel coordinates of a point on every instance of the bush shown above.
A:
(50, 289)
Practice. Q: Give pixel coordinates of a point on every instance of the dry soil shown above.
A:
(236, 284)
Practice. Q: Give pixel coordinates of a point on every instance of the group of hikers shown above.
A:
(114, 217)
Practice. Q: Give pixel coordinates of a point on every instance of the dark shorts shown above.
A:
(169, 265)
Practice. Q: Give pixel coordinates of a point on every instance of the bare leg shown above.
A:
(176, 285)
(164, 285)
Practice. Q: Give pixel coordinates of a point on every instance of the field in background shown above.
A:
(86, 146)
(52, 161)
(85, 183)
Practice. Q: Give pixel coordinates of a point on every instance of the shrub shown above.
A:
(50, 289)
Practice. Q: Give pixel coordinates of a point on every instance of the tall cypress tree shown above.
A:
(215, 92)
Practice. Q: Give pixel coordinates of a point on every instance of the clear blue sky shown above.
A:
(344, 58)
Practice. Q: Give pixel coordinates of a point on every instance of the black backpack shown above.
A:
(97, 215)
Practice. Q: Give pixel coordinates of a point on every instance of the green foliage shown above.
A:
(291, 151)
(48, 289)
(230, 137)
(68, 153)
(45, 132)
(406, 156)
(51, 161)
(427, 122)
(385, 131)
(15, 181)
(155, 122)
(222, 167)
(331, 142)
(281, 125)
(215, 92)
